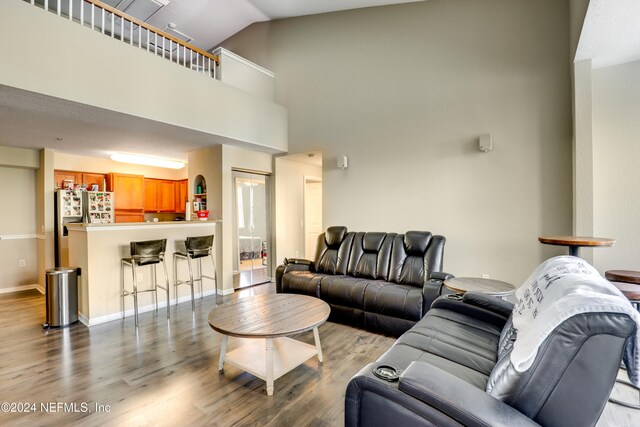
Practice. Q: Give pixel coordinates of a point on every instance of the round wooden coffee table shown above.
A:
(575, 242)
(269, 319)
(486, 286)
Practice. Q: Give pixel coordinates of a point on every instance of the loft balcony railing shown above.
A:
(112, 22)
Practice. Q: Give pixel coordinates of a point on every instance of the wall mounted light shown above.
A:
(138, 159)
(485, 143)
(343, 161)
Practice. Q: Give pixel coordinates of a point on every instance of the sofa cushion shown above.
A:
(302, 282)
(370, 255)
(409, 258)
(390, 299)
(333, 251)
(455, 343)
(343, 291)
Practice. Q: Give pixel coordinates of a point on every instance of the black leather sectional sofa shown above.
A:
(454, 370)
(383, 282)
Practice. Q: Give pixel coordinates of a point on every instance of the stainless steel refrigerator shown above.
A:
(79, 206)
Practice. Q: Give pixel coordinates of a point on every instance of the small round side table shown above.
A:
(486, 286)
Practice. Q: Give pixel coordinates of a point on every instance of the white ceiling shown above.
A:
(210, 22)
(611, 33)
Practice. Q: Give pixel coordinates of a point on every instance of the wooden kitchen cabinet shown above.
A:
(151, 195)
(159, 195)
(182, 195)
(94, 179)
(59, 176)
(167, 196)
(129, 191)
(88, 178)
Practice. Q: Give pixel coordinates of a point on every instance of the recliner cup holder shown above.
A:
(454, 297)
(387, 373)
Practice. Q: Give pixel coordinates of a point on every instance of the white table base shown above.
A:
(270, 358)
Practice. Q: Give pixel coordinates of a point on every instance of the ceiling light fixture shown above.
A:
(138, 159)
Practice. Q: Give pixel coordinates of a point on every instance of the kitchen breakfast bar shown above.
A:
(97, 250)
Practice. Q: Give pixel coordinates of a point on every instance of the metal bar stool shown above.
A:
(151, 253)
(196, 249)
(627, 282)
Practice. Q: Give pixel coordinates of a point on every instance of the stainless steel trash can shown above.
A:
(62, 297)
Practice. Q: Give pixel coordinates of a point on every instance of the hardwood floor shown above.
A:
(166, 374)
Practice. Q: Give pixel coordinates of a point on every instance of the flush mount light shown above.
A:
(137, 159)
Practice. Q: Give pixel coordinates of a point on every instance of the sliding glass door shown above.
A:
(253, 229)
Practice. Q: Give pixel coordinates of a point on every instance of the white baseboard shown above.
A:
(22, 288)
(161, 304)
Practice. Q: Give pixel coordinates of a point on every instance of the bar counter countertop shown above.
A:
(98, 248)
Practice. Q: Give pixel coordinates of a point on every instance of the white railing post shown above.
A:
(203, 63)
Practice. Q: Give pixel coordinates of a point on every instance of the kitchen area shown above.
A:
(101, 206)
(98, 213)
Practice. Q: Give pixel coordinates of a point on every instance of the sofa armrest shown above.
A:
(290, 266)
(440, 275)
(497, 305)
(301, 261)
(458, 399)
(433, 288)
(457, 304)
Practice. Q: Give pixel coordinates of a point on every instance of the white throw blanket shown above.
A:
(558, 289)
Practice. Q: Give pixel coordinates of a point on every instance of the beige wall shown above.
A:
(18, 157)
(616, 175)
(289, 206)
(104, 165)
(93, 69)
(405, 91)
(45, 215)
(18, 226)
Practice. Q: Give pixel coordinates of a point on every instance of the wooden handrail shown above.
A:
(153, 29)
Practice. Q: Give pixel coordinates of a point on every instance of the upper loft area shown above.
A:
(86, 55)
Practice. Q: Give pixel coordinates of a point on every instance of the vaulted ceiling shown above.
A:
(206, 23)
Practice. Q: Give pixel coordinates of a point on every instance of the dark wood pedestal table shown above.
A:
(269, 320)
(487, 286)
(576, 242)
(628, 282)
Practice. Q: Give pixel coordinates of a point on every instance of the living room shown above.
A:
(404, 92)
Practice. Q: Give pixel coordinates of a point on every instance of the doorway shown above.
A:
(252, 243)
(312, 214)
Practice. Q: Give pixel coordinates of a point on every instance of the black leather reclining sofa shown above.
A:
(383, 282)
(454, 370)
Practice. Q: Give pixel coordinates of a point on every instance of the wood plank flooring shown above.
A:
(166, 374)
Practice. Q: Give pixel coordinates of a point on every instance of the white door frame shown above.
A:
(307, 179)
